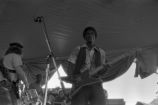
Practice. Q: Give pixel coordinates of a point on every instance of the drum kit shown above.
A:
(30, 97)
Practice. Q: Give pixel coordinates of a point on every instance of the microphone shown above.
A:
(38, 19)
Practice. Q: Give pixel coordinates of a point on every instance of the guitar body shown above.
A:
(86, 78)
(79, 81)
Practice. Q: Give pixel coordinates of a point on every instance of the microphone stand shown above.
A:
(46, 80)
(51, 56)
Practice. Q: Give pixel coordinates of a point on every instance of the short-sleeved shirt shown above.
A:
(11, 61)
(89, 55)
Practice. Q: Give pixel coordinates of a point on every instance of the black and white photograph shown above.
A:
(78, 52)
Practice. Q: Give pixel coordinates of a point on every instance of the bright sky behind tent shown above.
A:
(54, 81)
(127, 87)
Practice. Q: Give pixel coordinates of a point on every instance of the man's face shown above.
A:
(90, 36)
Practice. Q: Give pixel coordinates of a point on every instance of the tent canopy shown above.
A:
(120, 24)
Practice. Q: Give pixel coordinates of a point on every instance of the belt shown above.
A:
(12, 71)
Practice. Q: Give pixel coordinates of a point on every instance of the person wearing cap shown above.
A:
(12, 61)
(87, 57)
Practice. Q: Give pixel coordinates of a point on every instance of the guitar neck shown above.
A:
(93, 72)
(109, 63)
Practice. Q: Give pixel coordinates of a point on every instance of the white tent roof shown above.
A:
(120, 24)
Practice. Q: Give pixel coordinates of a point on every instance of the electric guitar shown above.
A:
(84, 79)
(88, 78)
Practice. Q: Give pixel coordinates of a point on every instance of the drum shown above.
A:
(25, 100)
(30, 96)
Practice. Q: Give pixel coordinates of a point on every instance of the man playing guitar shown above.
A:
(82, 64)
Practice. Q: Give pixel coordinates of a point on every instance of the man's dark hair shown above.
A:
(89, 28)
(14, 48)
(16, 44)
